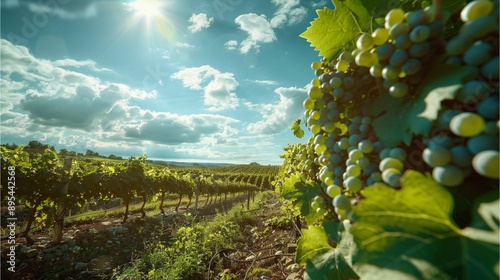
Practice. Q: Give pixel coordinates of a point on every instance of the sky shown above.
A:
(204, 81)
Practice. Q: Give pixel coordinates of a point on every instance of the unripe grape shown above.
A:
(341, 202)
(389, 162)
(333, 190)
(391, 176)
(365, 42)
(486, 163)
(380, 36)
(476, 9)
(393, 17)
(467, 124)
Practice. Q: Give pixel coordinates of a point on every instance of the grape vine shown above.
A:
(403, 113)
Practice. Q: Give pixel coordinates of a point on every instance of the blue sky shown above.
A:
(215, 81)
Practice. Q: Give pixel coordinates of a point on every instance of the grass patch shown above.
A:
(195, 250)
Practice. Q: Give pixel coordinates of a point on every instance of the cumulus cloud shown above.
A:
(199, 22)
(231, 45)
(259, 31)
(184, 45)
(91, 65)
(289, 13)
(278, 117)
(41, 99)
(218, 88)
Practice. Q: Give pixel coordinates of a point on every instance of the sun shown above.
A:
(147, 8)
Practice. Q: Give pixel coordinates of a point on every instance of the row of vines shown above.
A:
(399, 178)
(43, 179)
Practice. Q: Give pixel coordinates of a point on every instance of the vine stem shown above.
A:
(438, 9)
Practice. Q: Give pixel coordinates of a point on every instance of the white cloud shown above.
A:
(218, 92)
(265, 82)
(39, 8)
(199, 22)
(289, 13)
(320, 4)
(184, 45)
(279, 116)
(231, 45)
(42, 100)
(259, 30)
(78, 64)
(10, 4)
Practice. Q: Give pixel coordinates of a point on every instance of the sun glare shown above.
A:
(147, 8)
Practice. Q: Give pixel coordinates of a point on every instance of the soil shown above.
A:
(97, 249)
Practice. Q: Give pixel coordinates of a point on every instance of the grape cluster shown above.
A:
(468, 127)
(398, 52)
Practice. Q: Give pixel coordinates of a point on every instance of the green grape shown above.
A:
(353, 170)
(467, 124)
(491, 128)
(365, 42)
(315, 129)
(321, 211)
(479, 28)
(460, 156)
(366, 146)
(366, 59)
(315, 92)
(353, 184)
(308, 103)
(393, 17)
(486, 163)
(389, 162)
(355, 154)
(476, 9)
(391, 176)
(398, 90)
(316, 65)
(376, 70)
(363, 162)
(333, 190)
(420, 34)
(380, 36)
(390, 73)
(436, 156)
(448, 175)
(341, 202)
(342, 65)
(316, 82)
(315, 115)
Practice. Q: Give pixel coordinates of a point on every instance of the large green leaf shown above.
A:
(409, 234)
(301, 194)
(333, 30)
(321, 260)
(401, 118)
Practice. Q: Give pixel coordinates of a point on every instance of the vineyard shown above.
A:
(399, 179)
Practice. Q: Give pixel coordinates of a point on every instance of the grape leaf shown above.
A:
(332, 30)
(415, 224)
(301, 194)
(404, 117)
(297, 130)
(321, 260)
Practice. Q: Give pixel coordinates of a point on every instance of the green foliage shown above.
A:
(299, 194)
(322, 261)
(296, 129)
(415, 224)
(333, 30)
(399, 119)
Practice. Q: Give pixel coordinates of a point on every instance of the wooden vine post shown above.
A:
(61, 207)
